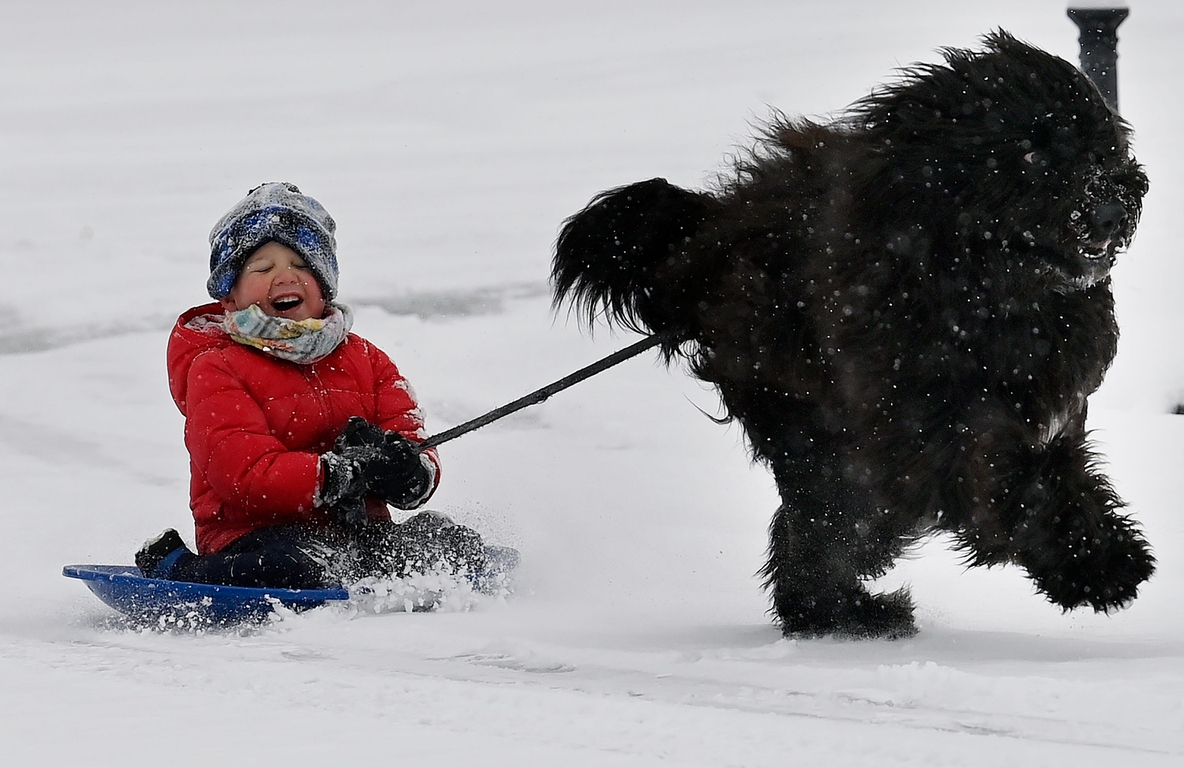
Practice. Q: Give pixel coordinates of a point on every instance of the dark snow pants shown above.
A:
(313, 557)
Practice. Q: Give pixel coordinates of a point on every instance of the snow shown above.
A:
(449, 141)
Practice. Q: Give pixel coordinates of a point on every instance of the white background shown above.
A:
(449, 140)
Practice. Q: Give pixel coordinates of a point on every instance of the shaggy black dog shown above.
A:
(906, 310)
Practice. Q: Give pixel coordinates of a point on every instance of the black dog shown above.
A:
(906, 310)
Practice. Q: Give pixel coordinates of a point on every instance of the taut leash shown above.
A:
(539, 395)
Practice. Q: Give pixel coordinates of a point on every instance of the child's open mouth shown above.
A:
(286, 303)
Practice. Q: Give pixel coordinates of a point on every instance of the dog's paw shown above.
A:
(860, 616)
(1101, 568)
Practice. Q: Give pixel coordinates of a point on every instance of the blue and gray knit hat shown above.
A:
(273, 211)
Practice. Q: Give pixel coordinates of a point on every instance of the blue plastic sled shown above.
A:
(123, 588)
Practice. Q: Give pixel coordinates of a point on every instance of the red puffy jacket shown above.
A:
(255, 425)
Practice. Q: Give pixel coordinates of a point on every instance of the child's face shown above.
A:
(277, 279)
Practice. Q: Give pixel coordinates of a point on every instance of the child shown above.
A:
(299, 432)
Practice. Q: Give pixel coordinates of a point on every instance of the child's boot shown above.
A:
(160, 553)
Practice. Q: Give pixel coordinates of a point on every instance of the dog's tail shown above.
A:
(607, 256)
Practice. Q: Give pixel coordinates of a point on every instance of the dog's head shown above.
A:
(1008, 150)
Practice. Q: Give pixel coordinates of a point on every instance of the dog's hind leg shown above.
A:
(825, 539)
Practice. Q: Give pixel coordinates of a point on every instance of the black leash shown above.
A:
(539, 395)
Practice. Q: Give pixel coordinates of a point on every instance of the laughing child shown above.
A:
(299, 432)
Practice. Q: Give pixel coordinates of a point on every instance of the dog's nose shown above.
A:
(1108, 218)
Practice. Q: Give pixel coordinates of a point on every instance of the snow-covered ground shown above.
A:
(449, 140)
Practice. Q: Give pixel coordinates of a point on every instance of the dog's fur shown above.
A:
(906, 309)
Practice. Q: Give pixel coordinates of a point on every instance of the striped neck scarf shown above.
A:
(297, 341)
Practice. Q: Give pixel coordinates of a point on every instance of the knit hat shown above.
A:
(273, 211)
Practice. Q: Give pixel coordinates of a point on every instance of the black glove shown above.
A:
(357, 436)
(390, 464)
(401, 476)
(343, 487)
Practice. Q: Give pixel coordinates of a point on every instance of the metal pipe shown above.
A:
(1099, 47)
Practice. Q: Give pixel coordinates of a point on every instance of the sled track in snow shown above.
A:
(18, 341)
(427, 305)
(522, 695)
(831, 706)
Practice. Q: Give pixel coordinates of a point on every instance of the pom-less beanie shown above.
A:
(275, 211)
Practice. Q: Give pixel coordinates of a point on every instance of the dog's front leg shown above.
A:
(1071, 538)
(1052, 512)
